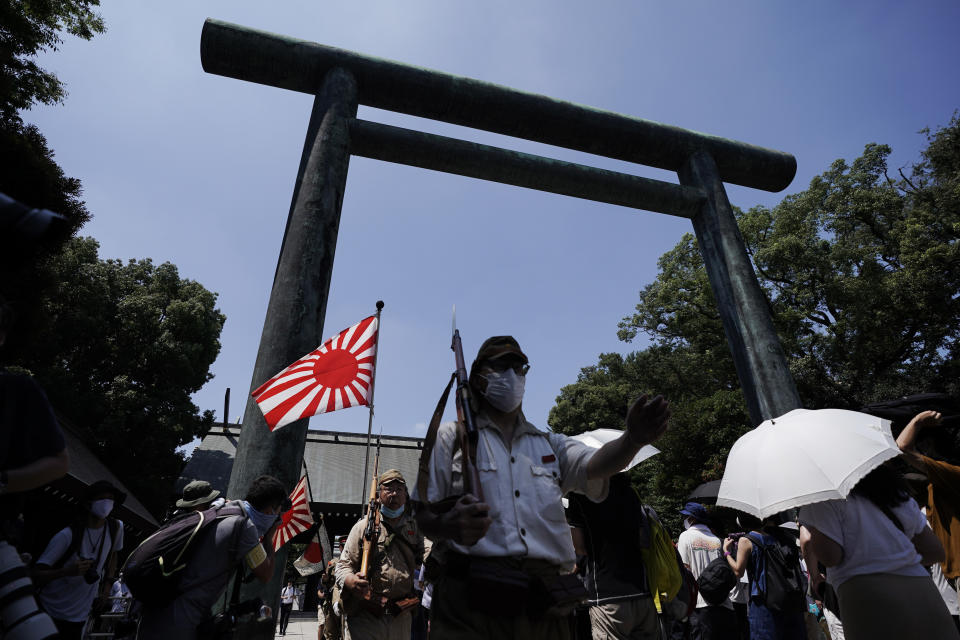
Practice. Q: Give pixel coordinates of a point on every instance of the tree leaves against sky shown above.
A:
(862, 270)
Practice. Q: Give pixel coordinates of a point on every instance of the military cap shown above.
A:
(391, 475)
(498, 347)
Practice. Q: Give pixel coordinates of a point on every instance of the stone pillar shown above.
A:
(298, 300)
(761, 366)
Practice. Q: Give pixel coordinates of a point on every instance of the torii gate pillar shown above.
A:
(298, 300)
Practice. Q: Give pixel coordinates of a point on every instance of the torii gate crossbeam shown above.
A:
(341, 80)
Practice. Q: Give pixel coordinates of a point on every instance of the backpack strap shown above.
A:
(76, 537)
(423, 472)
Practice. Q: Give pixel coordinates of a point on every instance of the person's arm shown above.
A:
(907, 439)
(929, 547)
(348, 566)
(38, 473)
(738, 561)
(465, 523)
(262, 559)
(43, 572)
(813, 563)
(646, 421)
(825, 549)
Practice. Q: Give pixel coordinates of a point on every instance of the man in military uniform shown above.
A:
(508, 557)
(379, 606)
(329, 620)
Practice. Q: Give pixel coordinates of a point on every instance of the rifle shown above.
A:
(371, 534)
(468, 428)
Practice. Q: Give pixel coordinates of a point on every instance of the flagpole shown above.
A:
(373, 380)
(306, 474)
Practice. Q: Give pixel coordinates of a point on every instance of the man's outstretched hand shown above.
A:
(647, 419)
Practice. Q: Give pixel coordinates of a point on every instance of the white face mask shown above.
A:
(504, 390)
(687, 523)
(101, 508)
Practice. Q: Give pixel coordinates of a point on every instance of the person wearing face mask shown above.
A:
(77, 560)
(699, 546)
(506, 559)
(244, 539)
(380, 606)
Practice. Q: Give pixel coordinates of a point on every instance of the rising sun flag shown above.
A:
(296, 519)
(336, 375)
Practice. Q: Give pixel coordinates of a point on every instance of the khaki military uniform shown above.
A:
(332, 623)
(393, 565)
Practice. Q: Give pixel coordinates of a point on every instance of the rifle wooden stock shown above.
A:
(372, 531)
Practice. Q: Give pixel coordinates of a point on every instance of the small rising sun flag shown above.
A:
(296, 519)
(336, 375)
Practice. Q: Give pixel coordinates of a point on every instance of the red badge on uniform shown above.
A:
(549, 458)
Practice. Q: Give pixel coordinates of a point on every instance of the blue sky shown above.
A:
(195, 169)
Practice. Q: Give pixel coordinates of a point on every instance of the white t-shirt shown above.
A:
(287, 595)
(698, 547)
(871, 542)
(70, 598)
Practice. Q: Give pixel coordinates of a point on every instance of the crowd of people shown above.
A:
(554, 542)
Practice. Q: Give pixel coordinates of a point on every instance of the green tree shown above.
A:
(862, 271)
(29, 27)
(125, 345)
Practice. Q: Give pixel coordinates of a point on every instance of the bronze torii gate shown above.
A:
(340, 80)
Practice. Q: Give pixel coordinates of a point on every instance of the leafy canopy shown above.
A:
(28, 27)
(125, 345)
(862, 270)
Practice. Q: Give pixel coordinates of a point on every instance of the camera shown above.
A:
(91, 575)
(20, 618)
(27, 223)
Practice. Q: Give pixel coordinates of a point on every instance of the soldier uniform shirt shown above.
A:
(392, 565)
(523, 485)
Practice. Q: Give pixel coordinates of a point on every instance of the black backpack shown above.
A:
(783, 585)
(154, 569)
(716, 580)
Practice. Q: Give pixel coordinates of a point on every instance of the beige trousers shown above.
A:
(363, 625)
(634, 619)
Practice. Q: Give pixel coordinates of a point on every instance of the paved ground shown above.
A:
(302, 625)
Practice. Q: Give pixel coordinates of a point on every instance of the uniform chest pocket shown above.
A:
(546, 482)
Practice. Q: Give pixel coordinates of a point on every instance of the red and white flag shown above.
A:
(295, 520)
(317, 554)
(336, 375)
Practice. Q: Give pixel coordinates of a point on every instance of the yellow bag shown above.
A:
(660, 561)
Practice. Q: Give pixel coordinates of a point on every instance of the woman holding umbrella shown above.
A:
(876, 544)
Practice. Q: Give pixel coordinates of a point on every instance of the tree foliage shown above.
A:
(29, 27)
(862, 270)
(125, 345)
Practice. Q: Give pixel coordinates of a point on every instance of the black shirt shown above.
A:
(612, 531)
(28, 430)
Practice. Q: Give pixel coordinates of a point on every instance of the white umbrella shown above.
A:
(803, 457)
(599, 437)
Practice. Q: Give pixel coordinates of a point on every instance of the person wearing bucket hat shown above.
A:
(699, 546)
(74, 564)
(516, 541)
(197, 496)
(389, 585)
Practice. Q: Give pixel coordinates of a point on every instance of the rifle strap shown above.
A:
(423, 474)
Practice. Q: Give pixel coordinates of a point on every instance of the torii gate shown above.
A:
(340, 80)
